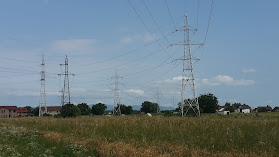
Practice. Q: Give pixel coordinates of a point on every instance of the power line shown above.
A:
(122, 64)
(155, 67)
(126, 53)
(154, 21)
(18, 60)
(156, 77)
(209, 20)
(147, 27)
(170, 14)
(198, 10)
(134, 73)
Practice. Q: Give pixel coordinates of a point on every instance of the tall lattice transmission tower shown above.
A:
(116, 90)
(43, 90)
(158, 100)
(65, 92)
(188, 79)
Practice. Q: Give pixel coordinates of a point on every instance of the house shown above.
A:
(52, 110)
(264, 109)
(4, 112)
(223, 110)
(22, 112)
(276, 109)
(243, 109)
(8, 111)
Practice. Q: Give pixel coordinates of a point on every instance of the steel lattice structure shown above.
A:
(66, 97)
(188, 79)
(116, 90)
(43, 90)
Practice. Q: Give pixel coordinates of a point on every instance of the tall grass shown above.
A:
(208, 135)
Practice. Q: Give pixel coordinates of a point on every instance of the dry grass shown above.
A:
(53, 136)
(209, 135)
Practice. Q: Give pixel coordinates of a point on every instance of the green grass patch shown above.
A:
(17, 141)
(208, 135)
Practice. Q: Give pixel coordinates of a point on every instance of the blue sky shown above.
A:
(238, 61)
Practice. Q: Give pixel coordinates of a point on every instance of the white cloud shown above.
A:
(175, 79)
(147, 37)
(208, 82)
(268, 102)
(135, 91)
(227, 80)
(123, 29)
(28, 93)
(215, 81)
(127, 40)
(248, 70)
(78, 90)
(99, 101)
(74, 45)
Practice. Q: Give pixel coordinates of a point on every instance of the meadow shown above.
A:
(208, 135)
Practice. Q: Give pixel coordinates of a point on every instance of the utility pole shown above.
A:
(66, 98)
(43, 90)
(188, 78)
(158, 100)
(116, 105)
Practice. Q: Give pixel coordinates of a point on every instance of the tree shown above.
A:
(126, 109)
(29, 109)
(208, 103)
(70, 110)
(35, 111)
(99, 109)
(149, 107)
(84, 109)
(229, 107)
(191, 111)
(227, 104)
(262, 109)
(236, 105)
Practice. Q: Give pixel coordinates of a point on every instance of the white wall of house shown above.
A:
(53, 112)
(4, 113)
(243, 110)
(224, 112)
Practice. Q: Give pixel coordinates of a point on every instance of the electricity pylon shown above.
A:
(188, 79)
(66, 98)
(43, 90)
(116, 90)
(158, 100)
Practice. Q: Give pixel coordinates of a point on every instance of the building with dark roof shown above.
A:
(243, 109)
(264, 109)
(22, 112)
(52, 110)
(276, 109)
(8, 111)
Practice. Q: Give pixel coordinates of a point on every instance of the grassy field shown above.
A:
(208, 135)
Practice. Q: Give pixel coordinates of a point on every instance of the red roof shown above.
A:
(268, 108)
(52, 108)
(245, 107)
(9, 107)
(22, 110)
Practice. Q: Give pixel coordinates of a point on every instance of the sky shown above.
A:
(238, 61)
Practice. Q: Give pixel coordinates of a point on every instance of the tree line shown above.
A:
(208, 103)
